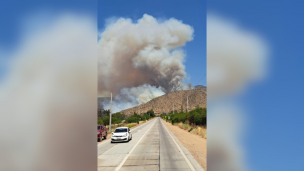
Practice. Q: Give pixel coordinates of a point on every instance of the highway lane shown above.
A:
(153, 147)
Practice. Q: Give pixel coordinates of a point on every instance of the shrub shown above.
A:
(151, 113)
(135, 118)
(99, 121)
(116, 118)
(131, 125)
(105, 120)
(196, 116)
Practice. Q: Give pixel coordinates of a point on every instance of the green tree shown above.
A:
(151, 113)
(106, 112)
(99, 121)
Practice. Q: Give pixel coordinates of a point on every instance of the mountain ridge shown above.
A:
(164, 103)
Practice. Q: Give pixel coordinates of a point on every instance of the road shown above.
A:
(153, 147)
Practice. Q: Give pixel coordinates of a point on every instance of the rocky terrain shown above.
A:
(164, 104)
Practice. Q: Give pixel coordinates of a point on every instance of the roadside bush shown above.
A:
(151, 113)
(146, 117)
(135, 118)
(99, 121)
(116, 118)
(119, 116)
(105, 120)
(196, 116)
(132, 120)
(131, 125)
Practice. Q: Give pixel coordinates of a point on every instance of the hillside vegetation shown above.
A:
(118, 118)
(197, 116)
(193, 121)
(164, 103)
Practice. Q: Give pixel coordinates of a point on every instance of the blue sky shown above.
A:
(192, 13)
(275, 138)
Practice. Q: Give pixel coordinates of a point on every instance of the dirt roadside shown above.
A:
(195, 144)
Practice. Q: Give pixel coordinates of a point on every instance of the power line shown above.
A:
(201, 79)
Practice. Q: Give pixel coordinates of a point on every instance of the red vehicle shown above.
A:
(102, 131)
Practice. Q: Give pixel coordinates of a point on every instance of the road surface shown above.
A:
(153, 147)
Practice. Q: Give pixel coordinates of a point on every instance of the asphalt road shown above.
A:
(153, 147)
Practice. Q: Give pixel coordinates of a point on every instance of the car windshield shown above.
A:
(120, 130)
(98, 127)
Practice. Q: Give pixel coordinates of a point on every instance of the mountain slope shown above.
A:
(164, 103)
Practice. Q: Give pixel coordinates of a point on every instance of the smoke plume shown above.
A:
(129, 97)
(142, 57)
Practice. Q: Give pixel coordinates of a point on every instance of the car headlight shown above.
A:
(126, 134)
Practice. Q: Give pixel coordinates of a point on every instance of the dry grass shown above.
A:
(131, 125)
(122, 124)
(197, 130)
(201, 131)
(184, 126)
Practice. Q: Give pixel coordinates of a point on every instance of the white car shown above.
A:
(121, 134)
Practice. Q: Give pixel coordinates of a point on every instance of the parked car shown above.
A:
(102, 131)
(121, 134)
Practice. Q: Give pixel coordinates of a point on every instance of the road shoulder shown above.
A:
(194, 146)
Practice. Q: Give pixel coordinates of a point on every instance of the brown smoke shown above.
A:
(146, 52)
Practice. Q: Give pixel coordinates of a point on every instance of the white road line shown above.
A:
(124, 160)
(187, 160)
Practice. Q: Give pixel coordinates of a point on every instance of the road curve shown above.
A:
(153, 147)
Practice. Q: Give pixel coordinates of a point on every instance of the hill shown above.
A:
(164, 103)
(200, 87)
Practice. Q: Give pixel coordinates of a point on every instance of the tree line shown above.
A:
(118, 117)
(197, 116)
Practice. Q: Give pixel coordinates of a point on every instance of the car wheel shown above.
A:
(98, 139)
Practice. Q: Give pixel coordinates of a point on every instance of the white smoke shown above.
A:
(137, 54)
(128, 97)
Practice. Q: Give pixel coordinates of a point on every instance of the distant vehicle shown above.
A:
(102, 131)
(121, 134)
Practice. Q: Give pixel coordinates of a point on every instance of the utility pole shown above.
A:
(110, 113)
(187, 104)
(173, 106)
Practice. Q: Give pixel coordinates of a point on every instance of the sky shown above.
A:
(274, 138)
(192, 13)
